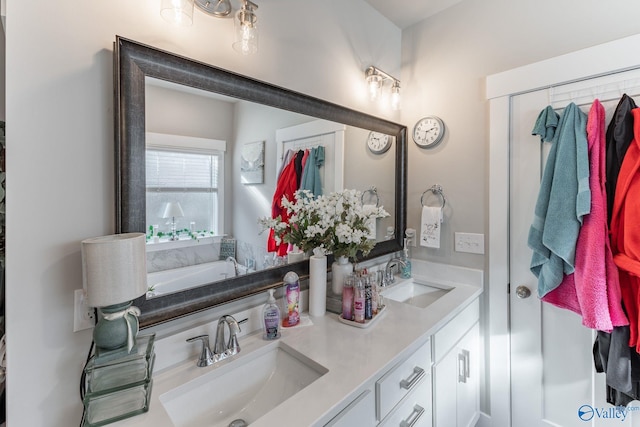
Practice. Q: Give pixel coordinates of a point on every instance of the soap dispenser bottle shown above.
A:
(271, 318)
(406, 268)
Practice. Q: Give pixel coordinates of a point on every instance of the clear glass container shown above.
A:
(117, 370)
(107, 408)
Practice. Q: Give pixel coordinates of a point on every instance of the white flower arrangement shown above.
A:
(335, 223)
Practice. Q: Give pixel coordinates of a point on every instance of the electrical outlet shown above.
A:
(83, 315)
(469, 242)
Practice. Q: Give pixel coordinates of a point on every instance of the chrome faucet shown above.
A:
(388, 278)
(232, 347)
(235, 264)
(221, 350)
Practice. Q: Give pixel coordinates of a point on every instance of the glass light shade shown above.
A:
(114, 268)
(395, 96)
(179, 12)
(246, 39)
(375, 86)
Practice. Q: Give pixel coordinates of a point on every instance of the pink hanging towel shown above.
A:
(593, 290)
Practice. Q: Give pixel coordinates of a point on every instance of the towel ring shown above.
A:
(435, 189)
(374, 191)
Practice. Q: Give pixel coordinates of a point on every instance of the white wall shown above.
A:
(59, 101)
(445, 60)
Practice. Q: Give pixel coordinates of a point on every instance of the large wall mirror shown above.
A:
(167, 104)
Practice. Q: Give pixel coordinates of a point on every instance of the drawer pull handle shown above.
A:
(417, 374)
(463, 366)
(414, 417)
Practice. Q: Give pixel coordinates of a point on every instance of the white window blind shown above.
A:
(172, 170)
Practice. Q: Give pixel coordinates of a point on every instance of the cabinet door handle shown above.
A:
(463, 366)
(413, 417)
(467, 363)
(415, 376)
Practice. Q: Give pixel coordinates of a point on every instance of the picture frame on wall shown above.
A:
(252, 163)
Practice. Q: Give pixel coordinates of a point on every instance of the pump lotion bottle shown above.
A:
(271, 318)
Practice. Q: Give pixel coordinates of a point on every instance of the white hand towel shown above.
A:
(431, 223)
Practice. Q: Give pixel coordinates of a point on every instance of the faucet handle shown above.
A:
(206, 357)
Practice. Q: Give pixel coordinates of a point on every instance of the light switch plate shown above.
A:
(469, 242)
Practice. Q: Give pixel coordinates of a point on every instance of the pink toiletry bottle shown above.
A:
(291, 315)
(359, 300)
(347, 298)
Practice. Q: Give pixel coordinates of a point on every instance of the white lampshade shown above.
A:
(173, 210)
(114, 268)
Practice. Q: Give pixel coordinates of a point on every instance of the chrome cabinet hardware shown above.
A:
(413, 379)
(413, 417)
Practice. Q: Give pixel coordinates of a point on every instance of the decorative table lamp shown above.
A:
(173, 210)
(115, 273)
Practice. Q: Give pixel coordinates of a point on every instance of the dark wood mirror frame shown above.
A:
(133, 62)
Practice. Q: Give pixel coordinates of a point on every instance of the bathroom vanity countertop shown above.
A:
(353, 357)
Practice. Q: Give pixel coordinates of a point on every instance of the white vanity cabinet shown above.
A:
(417, 392)
(404, 392)
(456, 370)
(402, 396)
(360, 412)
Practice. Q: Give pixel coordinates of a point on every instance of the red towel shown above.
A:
(593, 290)
(625, 230)
(286, 187)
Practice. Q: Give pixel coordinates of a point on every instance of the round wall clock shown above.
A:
(378, 142)
(428, 131)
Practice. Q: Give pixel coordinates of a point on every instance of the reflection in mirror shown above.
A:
(194, 136)
(235, 229)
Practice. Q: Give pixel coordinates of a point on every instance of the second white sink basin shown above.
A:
(244, 389)
(415, 293)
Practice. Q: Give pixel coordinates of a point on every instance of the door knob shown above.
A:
(523, 292)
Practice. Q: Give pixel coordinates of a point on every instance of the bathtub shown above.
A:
(178, 279)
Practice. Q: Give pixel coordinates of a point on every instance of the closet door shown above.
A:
(316, 133)
(553, 382)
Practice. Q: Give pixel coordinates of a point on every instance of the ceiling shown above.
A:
(405, 13)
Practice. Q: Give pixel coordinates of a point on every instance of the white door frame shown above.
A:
(603, 59)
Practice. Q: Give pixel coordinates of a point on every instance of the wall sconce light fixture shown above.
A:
(217, 8)
(246, 40)
(180, 12)
(375, 81)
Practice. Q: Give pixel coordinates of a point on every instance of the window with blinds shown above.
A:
(189, 178)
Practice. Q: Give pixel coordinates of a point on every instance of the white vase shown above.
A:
(317, 285)
(340, 269)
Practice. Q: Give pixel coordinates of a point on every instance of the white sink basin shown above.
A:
(245, 389)
(415, 293)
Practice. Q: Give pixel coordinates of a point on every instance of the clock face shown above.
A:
(428, 131)
(378, 142)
